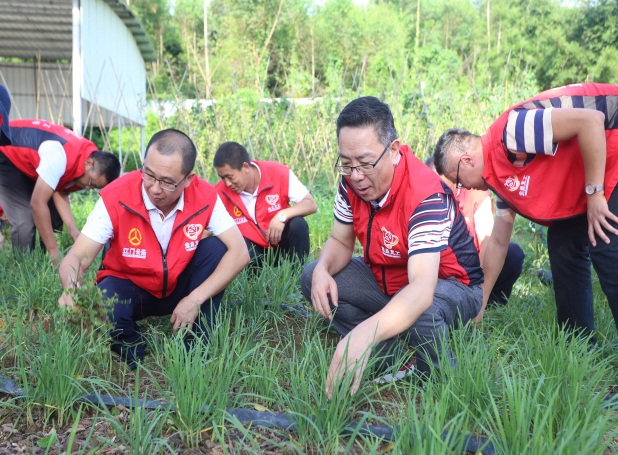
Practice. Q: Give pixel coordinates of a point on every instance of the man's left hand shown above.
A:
(185, 313)
(275, 230)
(358, 344)
(599, 217)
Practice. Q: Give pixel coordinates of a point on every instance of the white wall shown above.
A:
(114, 71)
(114, 85)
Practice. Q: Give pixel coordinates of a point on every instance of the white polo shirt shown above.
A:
(99, 225)
(296, 193)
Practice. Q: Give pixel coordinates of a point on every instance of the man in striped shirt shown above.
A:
(419, 274)
(553, 159)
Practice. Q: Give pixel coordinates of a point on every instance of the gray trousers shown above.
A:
(360, 297)
(15, 194)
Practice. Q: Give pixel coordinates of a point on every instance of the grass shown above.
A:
(520, 382)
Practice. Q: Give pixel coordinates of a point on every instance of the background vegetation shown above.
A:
(521, 383)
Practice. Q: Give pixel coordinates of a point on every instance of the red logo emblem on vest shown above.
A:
(237, 211)
(390, 239)
(512, 183)
(272, 198)
(193, 231)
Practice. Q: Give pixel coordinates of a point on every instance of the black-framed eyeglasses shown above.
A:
(457, 184)
(167, 186)
(362, 169)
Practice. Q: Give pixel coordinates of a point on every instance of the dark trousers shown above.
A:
(570, 256)
(294, 242)
(135, 303)
(513, 264)
(15, 194)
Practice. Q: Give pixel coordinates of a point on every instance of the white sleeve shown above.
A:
(53, 162)
(99, 225)
(484, 219)
(296, 191)
(220, 220)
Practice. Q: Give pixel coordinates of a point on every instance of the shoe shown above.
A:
(545, 277)
(404, 371)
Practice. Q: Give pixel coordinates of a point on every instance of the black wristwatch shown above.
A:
(591, 188)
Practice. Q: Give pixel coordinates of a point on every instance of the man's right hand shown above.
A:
(323, 285)
(66, 301)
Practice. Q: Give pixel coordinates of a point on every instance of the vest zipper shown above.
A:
(373, 212)
(163, 254)
(384, 280)
(164, 290)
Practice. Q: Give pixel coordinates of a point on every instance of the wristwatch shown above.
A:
(282, 217)
(591, 188)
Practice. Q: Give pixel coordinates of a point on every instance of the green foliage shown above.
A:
(294, 48)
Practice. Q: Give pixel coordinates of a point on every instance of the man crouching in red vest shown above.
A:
(420, 274)
(44, 163)
(553, 159)
(257, 194)
(158, 263)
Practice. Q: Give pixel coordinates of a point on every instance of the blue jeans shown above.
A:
(570, 256)
(134, 303)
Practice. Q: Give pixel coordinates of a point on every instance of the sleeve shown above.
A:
(220, 220)
(98, 226)
(530, 131)
(430, 225)
(342, 208)
(484, 218)
(296, 191)
(502, 209)
(53, 162)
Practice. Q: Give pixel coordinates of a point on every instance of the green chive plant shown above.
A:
(201, 379)
(142, 432)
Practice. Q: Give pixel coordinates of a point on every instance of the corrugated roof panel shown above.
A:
(30, 27)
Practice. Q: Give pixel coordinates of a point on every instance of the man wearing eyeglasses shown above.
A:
(420, 273)
(267, 201)
(158, 262)
(44, 163)
(554, 160)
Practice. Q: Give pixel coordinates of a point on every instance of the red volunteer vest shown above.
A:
(550, 187)
(135, 252)
(384, 233)
(28, 135)
(272, 196)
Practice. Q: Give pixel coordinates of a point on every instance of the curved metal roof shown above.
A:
(43, 29)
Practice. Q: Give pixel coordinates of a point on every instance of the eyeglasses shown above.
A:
(457, 176)
(89, 185)
(362, 169)
(167, 186)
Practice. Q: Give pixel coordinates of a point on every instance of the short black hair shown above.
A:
(369, 111)
(453, 140)
(231, 153)
(108, 165)
(172, 142)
